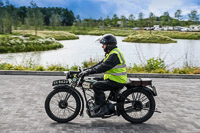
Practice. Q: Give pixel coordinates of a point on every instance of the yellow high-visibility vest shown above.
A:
(117, 73)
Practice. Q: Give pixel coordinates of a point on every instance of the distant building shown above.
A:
(185, 29)
(157, 27)
(194, 28)
(178, 28)
(136, 28)
(168, 28)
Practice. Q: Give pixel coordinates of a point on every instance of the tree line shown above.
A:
(13, 17)
(141, 21)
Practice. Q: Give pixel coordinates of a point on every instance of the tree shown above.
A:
(9, 16)
(178, 14)
(55, 20)
(22, 13)
(67, 17)
(141, 21)
(101, 23)
(78, 20)
(131, 19)
(107, 21)
(193, 16)
(115, 20)
(1, 16)
(151, 20)
(123, 21)
(165, 18)
(35, 17)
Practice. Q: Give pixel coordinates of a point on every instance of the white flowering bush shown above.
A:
(17, 44)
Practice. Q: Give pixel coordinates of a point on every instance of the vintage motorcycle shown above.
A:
(135, 102)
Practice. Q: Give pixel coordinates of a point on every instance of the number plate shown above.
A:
(60, 82)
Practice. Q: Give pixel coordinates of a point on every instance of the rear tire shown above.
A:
(140, 109)
(59, 110)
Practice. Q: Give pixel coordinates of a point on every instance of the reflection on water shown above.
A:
(75, 52)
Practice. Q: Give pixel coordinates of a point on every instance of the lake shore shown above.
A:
(149, 38)
(26, 41)
(127, 32)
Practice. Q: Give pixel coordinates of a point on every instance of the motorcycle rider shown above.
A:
(114, 68)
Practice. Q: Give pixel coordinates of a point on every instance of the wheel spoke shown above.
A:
(55, 108)
(71, 108)
(130, 109)
(60, 98)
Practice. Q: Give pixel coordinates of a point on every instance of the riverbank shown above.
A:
(149, 38)
(126, 32)
(57, 35)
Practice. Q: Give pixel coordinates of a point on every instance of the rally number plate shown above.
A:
(60, 82)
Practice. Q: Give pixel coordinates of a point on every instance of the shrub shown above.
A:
(87, 64)
(74, 68)
(154, 64)
(39, 68)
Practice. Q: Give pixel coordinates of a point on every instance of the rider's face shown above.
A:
(104, 46)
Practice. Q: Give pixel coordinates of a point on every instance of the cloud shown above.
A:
(125, 7)
(158, 7)
(102, 8)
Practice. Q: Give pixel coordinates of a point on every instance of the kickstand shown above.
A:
(156, 110)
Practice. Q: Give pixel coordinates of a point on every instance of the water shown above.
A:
(77, 51)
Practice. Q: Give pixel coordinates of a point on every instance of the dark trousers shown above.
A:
(100, 86)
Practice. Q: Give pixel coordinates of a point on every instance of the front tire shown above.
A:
(141, 105)
(62, 105)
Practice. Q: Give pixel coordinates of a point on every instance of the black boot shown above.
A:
(96, 108)
(103, 110)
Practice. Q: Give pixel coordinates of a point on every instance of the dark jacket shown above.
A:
(101, 67)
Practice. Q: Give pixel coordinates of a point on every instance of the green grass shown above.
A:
(148, 38)
(58, 35)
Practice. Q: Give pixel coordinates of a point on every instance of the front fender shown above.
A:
(76, 91)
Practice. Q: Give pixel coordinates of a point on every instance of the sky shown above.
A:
(103, 8)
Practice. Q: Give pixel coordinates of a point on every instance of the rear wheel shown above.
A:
(62, 105)
(138, 105)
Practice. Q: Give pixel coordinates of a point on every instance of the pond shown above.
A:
(85, 48)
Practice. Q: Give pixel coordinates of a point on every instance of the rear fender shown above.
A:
(148, 89)
(77, 92)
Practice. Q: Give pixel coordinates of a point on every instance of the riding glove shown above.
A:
(83, 73)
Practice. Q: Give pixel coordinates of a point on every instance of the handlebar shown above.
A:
(70, 74)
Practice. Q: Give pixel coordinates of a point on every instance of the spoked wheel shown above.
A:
(62, 105)
(138, 105)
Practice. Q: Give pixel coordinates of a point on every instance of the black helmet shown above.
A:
(108, 39)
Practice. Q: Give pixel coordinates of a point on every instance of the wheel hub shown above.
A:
(137, 105)
(62, 104)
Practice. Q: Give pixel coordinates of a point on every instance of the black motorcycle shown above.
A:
(135, 102)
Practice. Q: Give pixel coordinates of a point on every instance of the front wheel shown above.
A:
(62, 105)
(138, 105)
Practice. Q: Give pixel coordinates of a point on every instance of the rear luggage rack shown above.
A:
(140, 82)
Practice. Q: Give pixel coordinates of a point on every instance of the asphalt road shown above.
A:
(22, 109)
